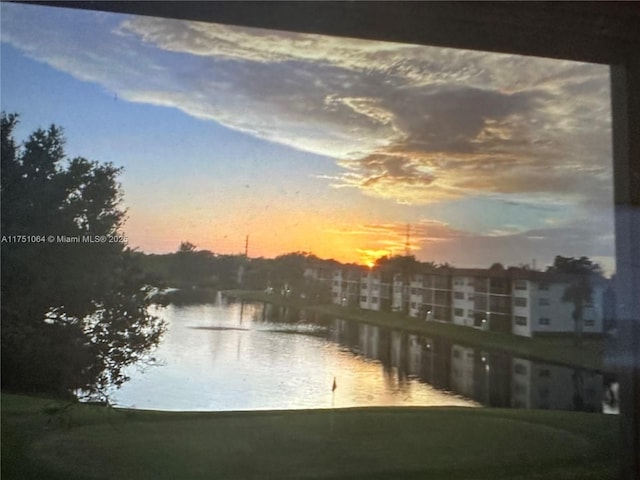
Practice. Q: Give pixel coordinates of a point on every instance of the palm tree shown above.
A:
(580, 291)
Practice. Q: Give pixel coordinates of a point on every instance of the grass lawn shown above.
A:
(562, 350)
(41, 442)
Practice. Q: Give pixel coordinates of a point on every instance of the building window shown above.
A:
(544, 321)
(543, 302)
(521, 320)
(413, 305)
(543, 286)
(521, 285)
(363, 298)
(458, 281)
(470, 297)
(458, 312)
(458, 295)
(545, 372)
(589, 323)
(364, 286)
(520, 302)
(374, 299)
(470, 313)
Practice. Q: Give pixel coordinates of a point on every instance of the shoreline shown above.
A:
(561, 350)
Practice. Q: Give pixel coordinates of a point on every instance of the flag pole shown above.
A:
(333, 392)
(333, 399)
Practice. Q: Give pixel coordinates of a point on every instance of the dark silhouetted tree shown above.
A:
(579, 292)
(288, 271)
(186, 247)
(74, 312)
(193, 268)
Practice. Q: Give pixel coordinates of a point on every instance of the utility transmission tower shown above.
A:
(407, 242)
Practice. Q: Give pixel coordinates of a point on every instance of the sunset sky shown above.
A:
(322, 144)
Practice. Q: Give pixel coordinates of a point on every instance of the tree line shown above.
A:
(199, 274)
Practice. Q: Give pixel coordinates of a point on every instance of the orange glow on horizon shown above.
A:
(269, 237)
(369, 257)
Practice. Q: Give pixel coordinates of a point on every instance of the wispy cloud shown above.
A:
(410, 123)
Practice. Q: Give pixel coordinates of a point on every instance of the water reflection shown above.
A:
(245, 356)
(238, 356)
(489, 378)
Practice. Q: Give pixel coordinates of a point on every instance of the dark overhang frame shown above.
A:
(598, 32)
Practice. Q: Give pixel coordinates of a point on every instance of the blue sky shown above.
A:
(322, 144)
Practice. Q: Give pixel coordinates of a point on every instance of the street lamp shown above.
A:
(485, 322)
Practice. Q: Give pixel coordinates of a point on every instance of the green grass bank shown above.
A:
(43, 439)
(556, 349)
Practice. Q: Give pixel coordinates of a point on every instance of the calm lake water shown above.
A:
(245, 356)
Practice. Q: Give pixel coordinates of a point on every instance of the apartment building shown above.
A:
(517, 301)
(539, 306)
(345, 285)
(375, 290)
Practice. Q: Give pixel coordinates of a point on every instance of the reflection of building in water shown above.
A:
(480, 375)
(490, 378)
(339, 330)
(414, 355)
(501, 381)
(397, 348)
(436, 361)
(498, 369)
(462, 370)
(369, 340)
(555, 387)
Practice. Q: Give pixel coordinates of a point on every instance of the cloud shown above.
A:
(434, 240)
(412, 124)
(592, 237)
(447, 120)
